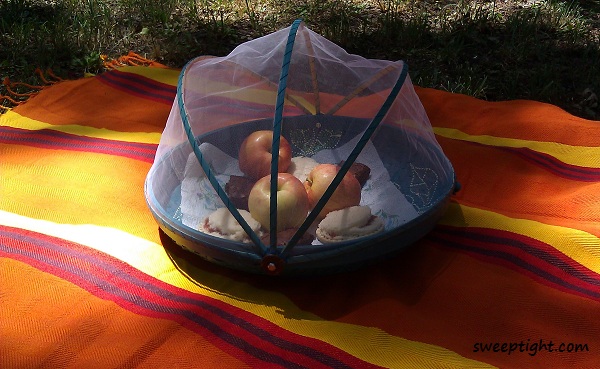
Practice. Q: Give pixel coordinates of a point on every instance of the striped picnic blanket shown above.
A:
(509, 278)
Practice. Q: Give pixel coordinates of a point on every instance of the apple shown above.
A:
(292, 201)
(345, 195)
(255, 154)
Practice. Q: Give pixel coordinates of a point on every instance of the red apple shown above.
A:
(292, 201)
(345, 195)
(255, 154)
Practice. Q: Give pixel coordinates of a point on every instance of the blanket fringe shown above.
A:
(13, 94)
(131, 59)
(17, 93)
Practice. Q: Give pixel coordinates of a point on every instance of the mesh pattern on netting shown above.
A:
(331, 103)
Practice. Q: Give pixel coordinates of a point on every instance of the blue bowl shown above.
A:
(393, 146)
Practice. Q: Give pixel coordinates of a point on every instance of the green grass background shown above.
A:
(495, 50)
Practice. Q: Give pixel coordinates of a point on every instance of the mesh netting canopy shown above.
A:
(358, 175)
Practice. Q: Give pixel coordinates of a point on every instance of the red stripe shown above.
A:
(546, 258)
(97, 151)
(146, 294)
(142, 83)
(533, 276)
(137, 309)
(550, 163)
(104, 294)
(226, 109)
(533, 258)
(50, 139)
(556, 166)
(537, 261)
(139, 86)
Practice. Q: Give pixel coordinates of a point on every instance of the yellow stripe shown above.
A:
(584, 156)
(253, 95)
(15, 120)
(578, 245)
(80, 187)
(171, 76)
(163, 75)
(379, 348)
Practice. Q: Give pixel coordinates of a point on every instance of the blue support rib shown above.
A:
(287, 56)
(261, 248)
(349, 161)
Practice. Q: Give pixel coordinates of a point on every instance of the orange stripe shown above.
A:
(579, 158)
(81, 336)
(522, 119)
(163, 75)
(580, 246)
(179, 269)
(233, 330)
(83, 188)
(502, 182)
(301, 307)
(69, 103)
(14, 120)
(436, 295)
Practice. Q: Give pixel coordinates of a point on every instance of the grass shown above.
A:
(496, 50)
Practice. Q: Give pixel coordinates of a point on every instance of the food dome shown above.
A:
(343, 140)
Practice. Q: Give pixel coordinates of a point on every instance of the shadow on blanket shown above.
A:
(413, 268)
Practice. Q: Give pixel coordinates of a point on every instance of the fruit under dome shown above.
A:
(343, 141)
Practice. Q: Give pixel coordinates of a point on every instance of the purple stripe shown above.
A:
(73, 137)
(551, 164)
(530, 249)
(103, 150)
(59, 140)
(557, 166)
(144, 81)
(513, 259)
(222, 104)
(107, 286)
(111, 78)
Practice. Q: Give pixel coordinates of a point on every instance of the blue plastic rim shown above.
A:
(302, 259)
